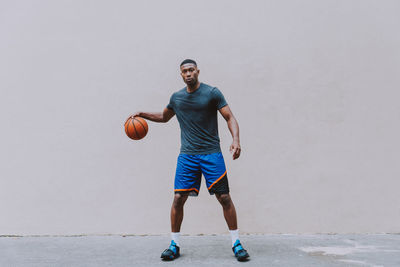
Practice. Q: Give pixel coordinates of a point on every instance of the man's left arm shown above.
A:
(234, 129)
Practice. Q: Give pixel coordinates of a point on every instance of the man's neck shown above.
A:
(192, 88)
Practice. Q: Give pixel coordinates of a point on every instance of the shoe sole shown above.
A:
(244, 258)
(170, 259)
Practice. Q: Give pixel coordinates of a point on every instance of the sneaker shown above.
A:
(240, 253)
(171, 253)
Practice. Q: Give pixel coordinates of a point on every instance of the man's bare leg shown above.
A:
(177, 211)
(231, 219)
(229, 210)
(176, 220)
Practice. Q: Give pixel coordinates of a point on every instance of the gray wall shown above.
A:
(314, 85)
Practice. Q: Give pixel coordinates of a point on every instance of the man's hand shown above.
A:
(137, 114)
(235, 149)
(163, 116)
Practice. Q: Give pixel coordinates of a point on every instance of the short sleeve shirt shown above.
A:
(197, 116)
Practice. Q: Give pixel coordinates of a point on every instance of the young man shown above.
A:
(196, 108)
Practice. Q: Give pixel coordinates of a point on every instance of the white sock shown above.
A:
(234, 235)
(175, 237)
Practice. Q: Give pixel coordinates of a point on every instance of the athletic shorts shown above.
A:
(190, 168)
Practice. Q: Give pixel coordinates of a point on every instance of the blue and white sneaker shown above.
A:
(240, 253)
(171, 253)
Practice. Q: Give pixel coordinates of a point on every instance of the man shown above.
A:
(196, 108)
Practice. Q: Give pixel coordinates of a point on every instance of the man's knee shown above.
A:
(179, 200)
(225, 200)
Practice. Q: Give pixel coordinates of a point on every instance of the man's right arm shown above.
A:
(164, 116)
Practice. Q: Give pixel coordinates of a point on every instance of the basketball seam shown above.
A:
(145, 130)
(136, 133)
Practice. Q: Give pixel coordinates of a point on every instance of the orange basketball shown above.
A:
(136, 128)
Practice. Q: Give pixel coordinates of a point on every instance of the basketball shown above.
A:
(136, 128)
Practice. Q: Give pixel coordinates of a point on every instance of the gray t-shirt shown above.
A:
(197, 116)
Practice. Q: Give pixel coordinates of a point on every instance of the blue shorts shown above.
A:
(190, 168)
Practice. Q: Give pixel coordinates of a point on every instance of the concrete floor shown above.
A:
(265, 250)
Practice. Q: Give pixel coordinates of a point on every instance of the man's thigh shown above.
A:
(214, 171)
(188, 175)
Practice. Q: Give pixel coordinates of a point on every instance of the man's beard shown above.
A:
(192, 82)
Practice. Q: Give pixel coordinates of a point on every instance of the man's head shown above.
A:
(189, 72)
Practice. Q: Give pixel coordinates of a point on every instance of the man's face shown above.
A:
(189, 73)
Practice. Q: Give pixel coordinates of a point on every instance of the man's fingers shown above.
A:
(236, 153)
(235, 150)
(131, 117)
